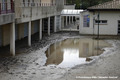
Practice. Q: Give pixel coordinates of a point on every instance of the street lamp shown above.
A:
(96, 17)
(98, 24)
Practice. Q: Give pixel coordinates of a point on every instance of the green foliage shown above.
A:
(84, 4)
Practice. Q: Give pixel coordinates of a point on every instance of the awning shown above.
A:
(68, 12)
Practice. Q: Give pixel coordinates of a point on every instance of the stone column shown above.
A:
(12, 39)
(69, 19)
(60, 23)
(63, 23)
(29, 34)
(72, 19)
(80, 22)
(43, 25)
(48, 25)
(55, 24)
(40, 30)
(66, 20)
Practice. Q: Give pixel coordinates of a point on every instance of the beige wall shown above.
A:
(20, 31)
(6, 34)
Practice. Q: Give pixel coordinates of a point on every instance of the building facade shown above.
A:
(7, 22)
(103, 19)
(23, 18)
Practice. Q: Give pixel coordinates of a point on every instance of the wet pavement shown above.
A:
(72, 27)
(29, 64)
(71, 52)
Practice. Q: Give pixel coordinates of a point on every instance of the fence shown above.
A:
(28, 4)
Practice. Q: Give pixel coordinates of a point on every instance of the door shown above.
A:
(25, 29)
(16, 31)
(58, 23)
(119, 27)
(45, 24)
(52, 24)
(36, 26)
(0, 36)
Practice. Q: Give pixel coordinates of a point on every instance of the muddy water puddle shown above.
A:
(71, 52)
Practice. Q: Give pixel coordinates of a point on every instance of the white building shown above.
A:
(108, 16)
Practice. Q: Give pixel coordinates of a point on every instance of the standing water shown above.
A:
(71, 52)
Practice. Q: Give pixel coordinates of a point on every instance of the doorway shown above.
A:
(119, 27)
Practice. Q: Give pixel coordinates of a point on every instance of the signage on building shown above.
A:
(86, 20)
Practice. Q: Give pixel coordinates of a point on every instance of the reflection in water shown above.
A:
(71, 52)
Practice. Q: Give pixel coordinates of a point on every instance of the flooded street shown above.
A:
(63, 56)
(71, 52)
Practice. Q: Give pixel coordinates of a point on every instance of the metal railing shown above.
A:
(28, 4)
(6, 8)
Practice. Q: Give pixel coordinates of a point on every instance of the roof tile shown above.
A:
(115, 4)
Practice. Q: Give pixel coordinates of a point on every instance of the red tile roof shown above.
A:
(111, 5)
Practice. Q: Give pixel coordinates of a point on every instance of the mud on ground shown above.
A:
(28, 64)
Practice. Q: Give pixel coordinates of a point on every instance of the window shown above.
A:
(101, 21)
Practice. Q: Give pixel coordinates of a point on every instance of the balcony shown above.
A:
(36, 4)
(69, 6)
(6, 13)
(32, 11)
(6, 8)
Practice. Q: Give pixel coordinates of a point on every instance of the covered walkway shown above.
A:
(71, 19)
